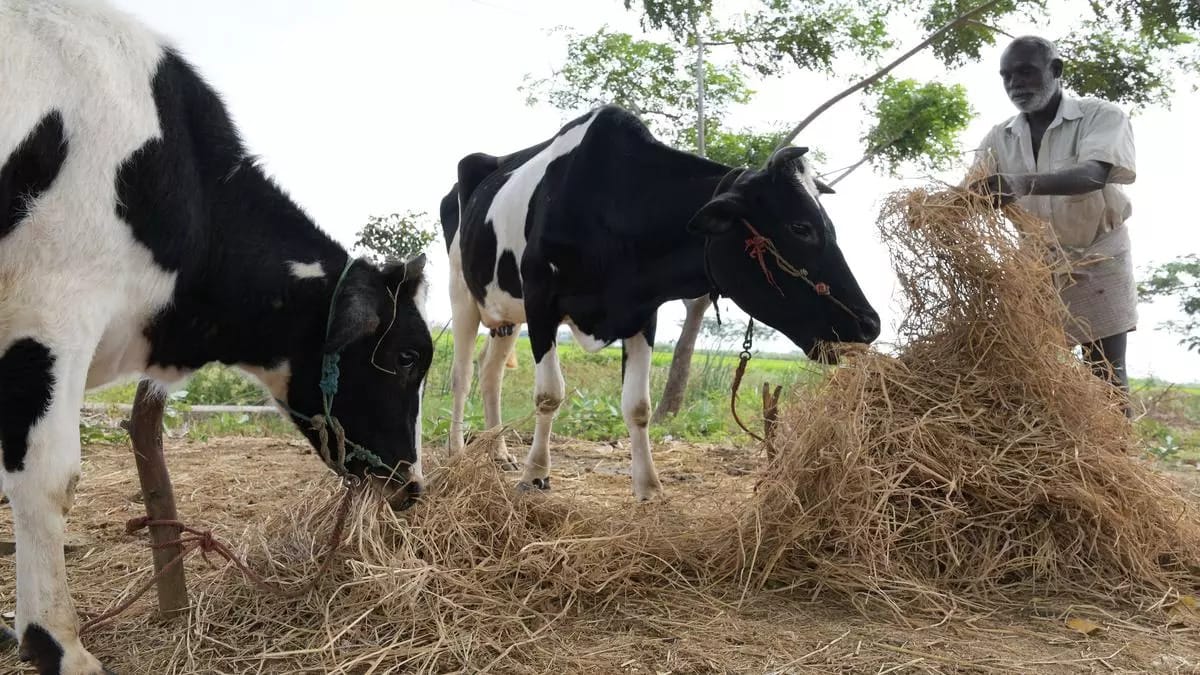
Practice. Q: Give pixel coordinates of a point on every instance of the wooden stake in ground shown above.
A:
(145, 431)
(770, 403)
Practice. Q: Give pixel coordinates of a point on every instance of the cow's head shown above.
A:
(771, 248)
(378, 338)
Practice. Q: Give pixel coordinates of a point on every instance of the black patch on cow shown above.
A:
(26, 386)
(42, 650)
(478, 274)
(448, 211)
(508, 278)
(31, 169)
(164, 189)
(207, 211)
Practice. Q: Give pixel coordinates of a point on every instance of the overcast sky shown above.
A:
(361, 108)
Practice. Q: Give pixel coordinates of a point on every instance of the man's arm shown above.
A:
(1074, 180)
(1105, 155)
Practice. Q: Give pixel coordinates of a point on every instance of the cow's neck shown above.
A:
(258, 286)
(675, 267)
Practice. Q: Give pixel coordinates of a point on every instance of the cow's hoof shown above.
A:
(506, 463)
(542, 484)
(649, 492)
(49, 657)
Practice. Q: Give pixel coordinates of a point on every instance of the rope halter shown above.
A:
(325, 424)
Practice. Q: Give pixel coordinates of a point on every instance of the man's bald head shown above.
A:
(1031, 70)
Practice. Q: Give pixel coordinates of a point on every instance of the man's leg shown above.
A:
(1106, 357)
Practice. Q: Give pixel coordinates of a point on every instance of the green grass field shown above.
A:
(1170, 427)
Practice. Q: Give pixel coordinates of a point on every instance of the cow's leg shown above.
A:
(39, 431)
(635, 407)
(549, 391)
(491, 379)
(465, 326)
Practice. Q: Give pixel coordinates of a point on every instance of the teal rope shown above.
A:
(330, 375)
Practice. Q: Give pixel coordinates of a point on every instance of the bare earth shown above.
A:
(231, 484)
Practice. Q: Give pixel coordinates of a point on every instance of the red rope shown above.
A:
(756, 246)
(205, 542)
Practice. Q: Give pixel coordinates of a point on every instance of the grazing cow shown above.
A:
(137, 236)
(599, 226)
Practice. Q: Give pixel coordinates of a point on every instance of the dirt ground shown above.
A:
(230, 484)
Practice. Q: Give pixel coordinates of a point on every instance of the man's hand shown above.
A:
(1005, 188)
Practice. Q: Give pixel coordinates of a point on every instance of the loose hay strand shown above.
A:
(977, 463)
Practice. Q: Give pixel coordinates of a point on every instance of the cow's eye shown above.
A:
(408, 358)
(803, 230)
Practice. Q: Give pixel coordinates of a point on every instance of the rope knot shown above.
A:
(134, 524)
(756, 247)
(323, 426)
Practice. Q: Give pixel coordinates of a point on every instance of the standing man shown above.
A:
(1063, 158)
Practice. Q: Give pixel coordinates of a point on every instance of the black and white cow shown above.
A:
(137, 236)
(599, 226)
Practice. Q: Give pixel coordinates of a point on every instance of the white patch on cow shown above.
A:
(549, 392)
(274, 379)
(302, 271)
(635, 408)
(589, 343)
(507, 214)
(415, 472)
(72, 276)
(421, 298)
(805, 178)
(465, 328)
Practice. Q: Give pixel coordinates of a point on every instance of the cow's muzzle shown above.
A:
(400, 494)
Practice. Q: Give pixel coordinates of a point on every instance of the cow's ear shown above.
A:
(355, 315)
(716, 217)
(406, 274)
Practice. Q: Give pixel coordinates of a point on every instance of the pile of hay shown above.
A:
(977, 463)
(982, 460)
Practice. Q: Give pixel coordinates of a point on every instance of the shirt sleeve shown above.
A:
(1107, 136)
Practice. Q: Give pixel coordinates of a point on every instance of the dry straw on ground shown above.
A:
(976, 464)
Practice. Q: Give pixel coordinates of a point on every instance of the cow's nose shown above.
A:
(868, 324)
(405, 497)
(399, 496)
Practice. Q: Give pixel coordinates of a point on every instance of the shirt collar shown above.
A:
(1068, 109)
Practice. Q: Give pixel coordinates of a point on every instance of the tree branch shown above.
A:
(879, 74)
(742, 41)
(849, 170)
(992, 28)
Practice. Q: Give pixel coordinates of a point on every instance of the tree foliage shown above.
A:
(1123, 50)
(918, 123)
(654, 80)
(1178, 279)
(395, 236)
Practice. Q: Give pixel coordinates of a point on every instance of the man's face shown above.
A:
(1030, 77)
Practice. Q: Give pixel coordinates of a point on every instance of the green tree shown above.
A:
(396, 236)
(656, 81)
(1178, 279)
(914, 124)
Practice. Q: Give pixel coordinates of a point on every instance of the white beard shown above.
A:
(1039, 100)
